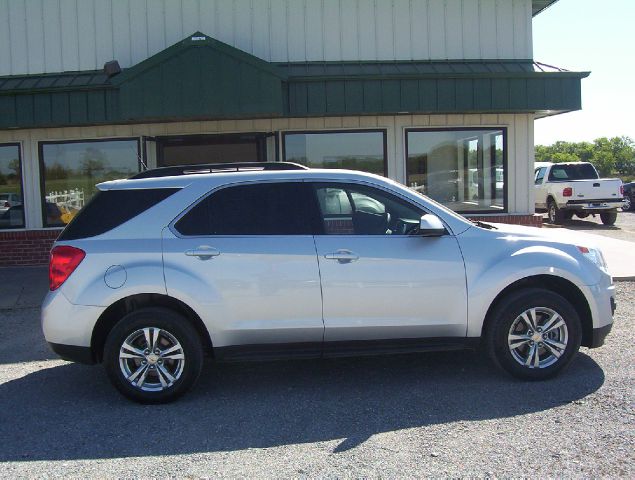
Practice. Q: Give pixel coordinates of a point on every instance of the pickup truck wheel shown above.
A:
(627, 204)
(533, 334)
(556, 216)
(609, 218)
(153, 355)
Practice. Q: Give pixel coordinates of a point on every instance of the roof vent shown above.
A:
(112, 68)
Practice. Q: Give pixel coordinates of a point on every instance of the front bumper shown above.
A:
(73, 353)
(599, 334)
(602, 304)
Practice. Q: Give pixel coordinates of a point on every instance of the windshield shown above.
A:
(573, 171)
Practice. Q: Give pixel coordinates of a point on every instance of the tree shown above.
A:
(93, 161)
(609, 155)
(14, 166)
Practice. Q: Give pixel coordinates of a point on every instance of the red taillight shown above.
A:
(6, 205)
(622, 190)
(567, 192)
(63, 262)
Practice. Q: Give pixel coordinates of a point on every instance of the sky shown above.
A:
(596, 36)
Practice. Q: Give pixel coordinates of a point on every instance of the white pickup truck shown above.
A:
(564, 189)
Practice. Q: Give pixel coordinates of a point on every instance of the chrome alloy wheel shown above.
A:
(538, 337)
(151, 359)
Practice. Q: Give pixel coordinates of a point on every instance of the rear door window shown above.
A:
(282, 208)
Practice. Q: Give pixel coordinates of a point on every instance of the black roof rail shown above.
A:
(217, 168)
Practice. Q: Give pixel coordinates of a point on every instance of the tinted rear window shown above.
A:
(562, 173)
(109, 209)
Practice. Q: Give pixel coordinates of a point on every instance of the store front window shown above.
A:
(363, 150)
(463, 169)
(70, 170)
(11, 197)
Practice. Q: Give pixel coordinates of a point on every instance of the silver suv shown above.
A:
(270, 260)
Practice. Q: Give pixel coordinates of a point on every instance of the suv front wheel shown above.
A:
(533, 334)
(153, 355)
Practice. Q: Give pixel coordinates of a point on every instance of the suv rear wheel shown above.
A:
(533, 334)
(153, 355)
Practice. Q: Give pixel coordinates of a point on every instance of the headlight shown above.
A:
(595, 255)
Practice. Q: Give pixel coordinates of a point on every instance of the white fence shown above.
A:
(71, 199)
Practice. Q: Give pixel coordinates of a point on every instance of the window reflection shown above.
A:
(72, 169)
(11, 203)
(354, 150)
(463, 169)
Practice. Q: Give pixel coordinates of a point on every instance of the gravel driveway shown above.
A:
(437, 414)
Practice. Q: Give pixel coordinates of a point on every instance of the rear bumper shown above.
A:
(597, 206)
(64, 323)
(73, 353)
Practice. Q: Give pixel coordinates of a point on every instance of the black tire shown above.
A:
(556, 216)
(628, 204)
(609, 218)
(507, 315)
(172, 327)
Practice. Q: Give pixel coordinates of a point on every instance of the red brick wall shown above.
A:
(30, 247)
(530, 220)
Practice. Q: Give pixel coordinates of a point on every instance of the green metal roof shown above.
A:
(201, 78)
(54, 82)
(538, 6)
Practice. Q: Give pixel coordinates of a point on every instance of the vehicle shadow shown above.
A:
(72, 412)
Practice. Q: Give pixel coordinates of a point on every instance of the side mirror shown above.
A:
(431, 226)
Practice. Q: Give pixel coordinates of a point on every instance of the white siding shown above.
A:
(59, 35)
(520, 155)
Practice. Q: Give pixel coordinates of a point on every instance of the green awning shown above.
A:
(344, 88)
(201, 78)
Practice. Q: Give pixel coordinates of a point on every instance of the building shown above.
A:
(438, 94)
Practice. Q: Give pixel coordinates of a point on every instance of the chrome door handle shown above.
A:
(342, 256)
(203, 252)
